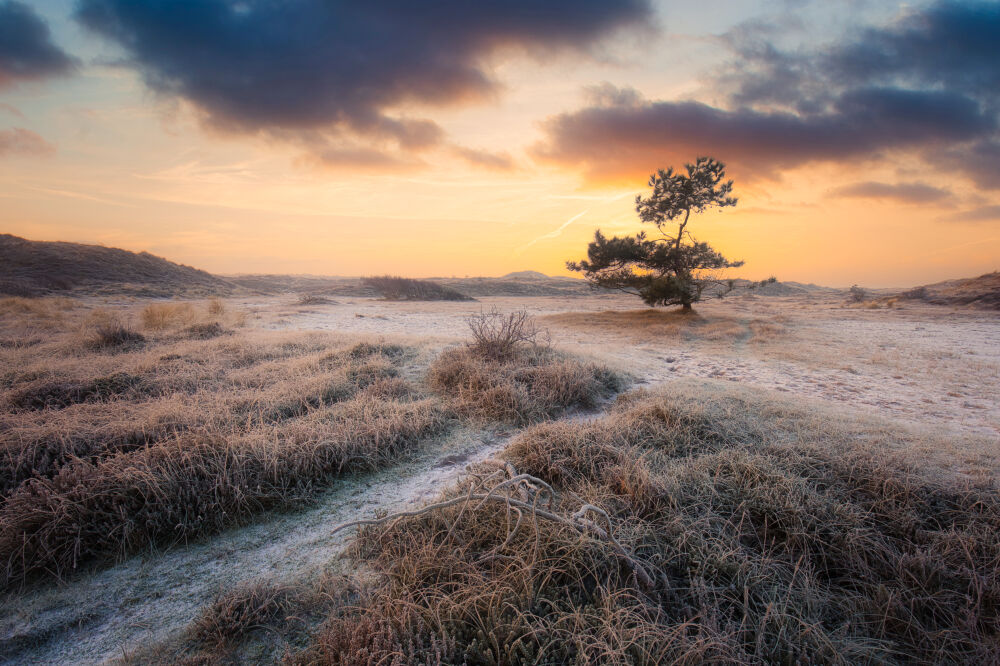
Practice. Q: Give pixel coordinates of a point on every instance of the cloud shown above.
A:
(981, 214)
(361, 157)
(947, 45)
(19, 141)
(914, 193)
(555, 233)
(980, 161)
(484, 158)
(952, 44)
(926, 84)
(615, 142)
(26, 49)
(343, 68)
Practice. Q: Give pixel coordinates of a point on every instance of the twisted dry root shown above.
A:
(530, 489)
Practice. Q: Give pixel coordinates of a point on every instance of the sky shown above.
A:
(478, 138)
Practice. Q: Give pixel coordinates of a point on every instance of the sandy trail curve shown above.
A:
(151, 598)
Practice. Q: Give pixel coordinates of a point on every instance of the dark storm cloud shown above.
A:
(26, 48)
(927, 84)
(953, 44)
(914, 193)
(270, 65)
(628, 140)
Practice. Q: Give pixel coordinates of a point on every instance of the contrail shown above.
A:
(553, 234)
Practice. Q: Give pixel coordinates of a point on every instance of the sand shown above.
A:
(927, 364)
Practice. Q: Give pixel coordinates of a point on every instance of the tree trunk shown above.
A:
(685, 307)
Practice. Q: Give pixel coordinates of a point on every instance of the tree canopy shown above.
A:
(671, 268)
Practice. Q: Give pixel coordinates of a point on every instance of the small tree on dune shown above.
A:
(671, 269)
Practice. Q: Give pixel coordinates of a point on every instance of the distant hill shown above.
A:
(477, 287)
(526, 275)
(34, 268)
(777, 288)
(981, 292)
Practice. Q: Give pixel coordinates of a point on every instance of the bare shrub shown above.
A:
(497, 335)
(315, 299)
(856, 294)
(394, 288)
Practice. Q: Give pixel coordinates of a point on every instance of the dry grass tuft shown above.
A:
(61, 394)
(204, 331)
(111, 331)
(216, 307)
(159, 316)
(37, 307)
(772, 535)
(246, 608)
(213, 314)
(117, 336)
(530, 384)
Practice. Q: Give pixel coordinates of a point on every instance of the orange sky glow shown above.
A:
(519, 177)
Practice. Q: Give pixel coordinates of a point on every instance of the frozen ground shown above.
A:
(930, 365)
(148, 599)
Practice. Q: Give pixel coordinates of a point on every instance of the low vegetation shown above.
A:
(393, 288)
(111, 449)
(268, 447)
(505, 374)
(107, 450)
(702, 523)
(315, 299)
(689, 527)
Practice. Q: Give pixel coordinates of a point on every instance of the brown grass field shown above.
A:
(172, 473)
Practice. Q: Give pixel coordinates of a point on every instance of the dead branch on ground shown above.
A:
(532, 494)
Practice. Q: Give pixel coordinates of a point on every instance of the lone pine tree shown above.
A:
(669, 269)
